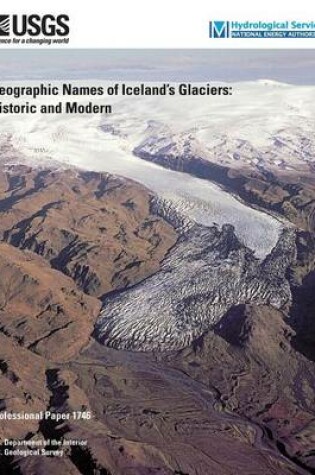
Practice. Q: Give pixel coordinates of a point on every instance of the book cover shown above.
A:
(157, 238)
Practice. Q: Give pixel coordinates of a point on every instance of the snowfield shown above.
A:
(264, 123)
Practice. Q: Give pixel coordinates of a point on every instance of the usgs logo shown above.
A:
(34, 25)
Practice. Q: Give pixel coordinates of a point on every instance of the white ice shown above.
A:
(256, 112)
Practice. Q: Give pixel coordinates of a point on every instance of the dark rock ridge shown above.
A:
(275, 190)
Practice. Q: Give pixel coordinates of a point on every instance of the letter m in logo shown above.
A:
(219, 29)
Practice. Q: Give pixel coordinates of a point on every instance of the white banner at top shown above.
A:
(158, 24)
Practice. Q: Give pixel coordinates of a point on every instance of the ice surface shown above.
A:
(261, 121)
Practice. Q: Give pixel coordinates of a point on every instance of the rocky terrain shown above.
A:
(42, 309)
(234, 392)
(92, 226)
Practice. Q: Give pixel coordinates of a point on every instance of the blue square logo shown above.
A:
(219, 29)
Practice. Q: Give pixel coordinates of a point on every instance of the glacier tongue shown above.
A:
(207, 272)
(228, 253)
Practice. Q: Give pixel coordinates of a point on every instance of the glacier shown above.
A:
(227, 251)
(242, 129)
